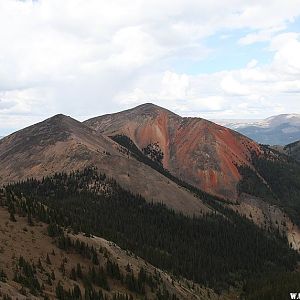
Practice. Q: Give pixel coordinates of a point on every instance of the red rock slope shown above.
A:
(200, 152)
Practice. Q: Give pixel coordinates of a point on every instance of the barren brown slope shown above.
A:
(64, 144)
(200, 152)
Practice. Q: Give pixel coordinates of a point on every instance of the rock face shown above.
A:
(195, 150)
(62, 144)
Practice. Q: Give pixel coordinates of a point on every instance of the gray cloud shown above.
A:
(6, 104)
(91, 57)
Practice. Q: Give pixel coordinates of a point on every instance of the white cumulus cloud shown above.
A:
(85, 58)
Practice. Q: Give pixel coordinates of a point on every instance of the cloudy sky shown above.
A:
(213, 59)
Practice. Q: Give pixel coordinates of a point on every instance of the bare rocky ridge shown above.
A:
(198, 151)
(62, 144)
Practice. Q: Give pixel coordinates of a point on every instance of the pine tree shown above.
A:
(48, 261)
(78, 271)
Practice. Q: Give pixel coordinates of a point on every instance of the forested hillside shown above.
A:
(276, 179)
(49, 263)
(211, 250)
(293, 150)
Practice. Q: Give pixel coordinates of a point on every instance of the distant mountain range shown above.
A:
(277, 130)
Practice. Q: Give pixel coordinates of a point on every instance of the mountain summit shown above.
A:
(63, 144)
(195, 150)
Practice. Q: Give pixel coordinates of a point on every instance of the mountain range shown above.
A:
(174, 153)
(138, 176)
(277, 130)
(64, 144)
